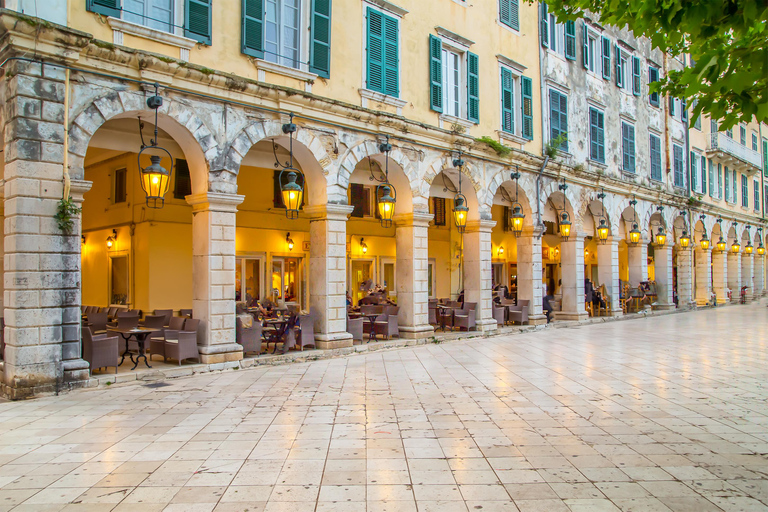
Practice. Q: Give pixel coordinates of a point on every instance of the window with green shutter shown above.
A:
(544, 21)
(526, 88)
(765, 157)
(507, 101)
(252, 36)
(473, 88)
(636, 76)
(677, 160)
(703, 161)
(653, 76)
(711, 178)
(606, 58)
(320, 38)
(693, 161)
(585, 45)
(628, 147)
(727, 184)
(735, 191)
(197, 20)
(756, 186)
(509, 13)
(105, 7)
(596, 135)
(382, 59)
(719, 181)
(619, 66)
(655, 158)
(435, 73)
(744, 192)
(558, 117)
(570, 40)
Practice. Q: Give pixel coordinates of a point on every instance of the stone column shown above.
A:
(685, 278)
(719, 276)
(412, 239)
(747, 274)
(664, 281)
(637, 260)
(704, 276)
(608, 272)
(213, 271)
(478, 276)
(42, 268)
(734, 275)
(328, 273)
(759, 263)
(572, 266)
(529, 273)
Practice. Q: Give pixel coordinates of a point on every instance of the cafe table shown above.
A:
(140, 333)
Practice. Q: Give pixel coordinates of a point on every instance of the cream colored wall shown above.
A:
(475, 21)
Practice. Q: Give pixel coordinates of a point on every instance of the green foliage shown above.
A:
(497, 146)
(554, 145)
(65, 213)
(728, 42)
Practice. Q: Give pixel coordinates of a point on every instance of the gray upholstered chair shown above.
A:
(500, 314)
(386, 323)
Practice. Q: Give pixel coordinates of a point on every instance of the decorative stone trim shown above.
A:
(513, 65)
(450, 120)
(279, 69)
(453, 36)
(152, 34)
(216, 201)
(369, 95)
(388, 6)
(511, 137)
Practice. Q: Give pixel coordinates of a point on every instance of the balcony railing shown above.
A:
(725, 144)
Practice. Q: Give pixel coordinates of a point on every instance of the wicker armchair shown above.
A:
(306, 328)
(519, 312)
(186, 313)
(355, 328)
(500, 314)
(157, 343)
(386, 323)
(183, 348)
(100, 351)
(464, 318)
(248, 333)
(166, 314)
(97, 322)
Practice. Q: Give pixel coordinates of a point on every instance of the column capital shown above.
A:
(216, 201)
(481, 225)
(416, 219)
(329, 211)
(77, 188)
(535, 231)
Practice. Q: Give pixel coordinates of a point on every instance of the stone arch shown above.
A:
(308, 151)
(592, 211)
(550, 193)
(402, 176)
(445, 163)
(526, 192)
(174, 117)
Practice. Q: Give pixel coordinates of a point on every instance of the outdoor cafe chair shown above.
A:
(185, 313)
(185, 347)
(519, 312)
(306, 328)
(166, 314)
(101, 351)
(464, 318)
(248, 333)
(500, 314)
(157, 343)
(97, 322)
(355, 328)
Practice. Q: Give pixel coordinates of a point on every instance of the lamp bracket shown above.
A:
(458, 163)
(563, 186)
(601, 196)
(290, 127)
(515, 175)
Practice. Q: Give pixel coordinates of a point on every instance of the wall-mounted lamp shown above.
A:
(363, 246)
(82, 239)
(289, 241)
(501, 250)
(112, 239)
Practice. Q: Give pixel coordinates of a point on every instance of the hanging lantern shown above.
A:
(634, 234)
(704, 242)
(292, 194)
(565, 226)
(721, 244)
(516, 220)
(684, 239)
(386, 204)
(460, 212)
(661, 237)
(760, 249)
(603, 231)
(735, 247)
(748, 248)
(155, 179)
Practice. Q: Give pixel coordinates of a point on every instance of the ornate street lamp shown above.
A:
(685, 239)
(516, 221)
(721, 244)
(735, 246)
(155, 179)
(602, 230)
(760, 248)
(386, 194)
(748, 248)
(661, 237)
(704, 242)
(565, 220)
(634, 233)
(291, 189)
(460, 209)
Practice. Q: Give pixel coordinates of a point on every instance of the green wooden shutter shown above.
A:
(526, 86)
(105, 7)
(711, 178)
(473, 88)
(375, 51)
(544, 25)
(509, 13)
(435, 73)
(507, 102)
(391, 56)
(252, 37)
(606, 58)
(636, 76)
(570, 40)
(320, 38)
(585, 46)
(653, 76)
(197, 22)
(619, 74)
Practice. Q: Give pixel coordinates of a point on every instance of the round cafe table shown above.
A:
(140, 334)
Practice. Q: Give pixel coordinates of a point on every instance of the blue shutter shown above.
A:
(526, 88)
(558, 117)
(473, 88)
(672, 106)
(585, 45)
(655, 158)
(735, 192)
(435, 73)
(105, 7)
(693, 160)
(570, 40)
(684, 110)
(596, 135)
(507, 102)
(632, 147)
(703, 161)
(375, 51)
(391, 56)
(252, 36)
(197, 20)
(544, 25)
(711, 178)
(509, 13)
(320, 38)
(653, 76)
(606, 58)
(636, 76)
(619, 74)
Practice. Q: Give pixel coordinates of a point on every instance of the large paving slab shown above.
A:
(655, 414)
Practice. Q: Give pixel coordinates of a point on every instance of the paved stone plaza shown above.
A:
(657, 414)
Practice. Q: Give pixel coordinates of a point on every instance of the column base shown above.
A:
(225, 353)
(571, 315)
(537, 319)
(663, 307)
(334, 340)
(487, 325)
(416, 331)
(75, 373)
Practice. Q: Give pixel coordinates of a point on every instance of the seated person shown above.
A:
(547, 306)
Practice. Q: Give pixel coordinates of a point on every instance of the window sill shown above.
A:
(121, 27)
(508, 28)
(368, 95)
(264, 66)
(511, 137)
(453, 120)
(597, 163)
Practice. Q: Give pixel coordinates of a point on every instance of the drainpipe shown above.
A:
(538, 190)
(543, 131)
(762, 171)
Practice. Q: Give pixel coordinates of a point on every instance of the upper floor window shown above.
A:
(157, 14)
(516, 120)
(593, 51)
(694, 160)
(596, 135)
(120, 192)
(558, 117)
(622, 68)
(558, 37)
(697, 122)
(453, 75)
(743, 135)
(653, 76)
(382, 53)
(452, 80)
(677, 159)
(509, 13)
(703, 172)
(627, 147)
(655, 157)
(744, 192)
(754, 141)
(281, 32)
(756, 202)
